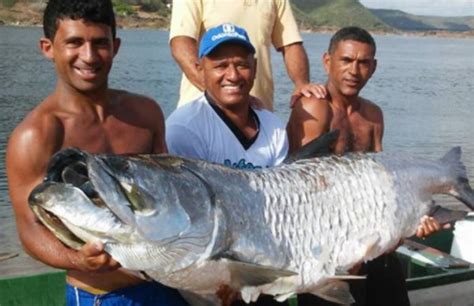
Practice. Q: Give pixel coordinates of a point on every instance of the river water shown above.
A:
(424, 85)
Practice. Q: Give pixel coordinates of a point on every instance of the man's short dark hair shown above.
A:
(97, 11)
(351, 33)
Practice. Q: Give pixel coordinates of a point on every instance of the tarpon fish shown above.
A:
(195, 226)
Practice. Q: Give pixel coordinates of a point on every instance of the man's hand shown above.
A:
(93, 258)
(429, 225)
(308, 90)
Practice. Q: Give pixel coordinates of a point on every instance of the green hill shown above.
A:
(335, 14)
(310, 14)
(408, 22)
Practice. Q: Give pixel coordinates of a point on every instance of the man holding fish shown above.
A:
(80, 40)
(350, 63)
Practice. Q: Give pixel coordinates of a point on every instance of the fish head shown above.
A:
(170, 205)
(72, 216)
(149, 200)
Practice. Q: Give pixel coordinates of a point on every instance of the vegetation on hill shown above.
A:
(335, 14)
(310, 14)
(130, 7)
(408, 22)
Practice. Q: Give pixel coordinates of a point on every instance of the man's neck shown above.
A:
(97, 102)
(240, 114)
(349, 104)
(242, 120)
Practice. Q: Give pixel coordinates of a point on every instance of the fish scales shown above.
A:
(278, 231)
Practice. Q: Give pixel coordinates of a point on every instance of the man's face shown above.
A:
(349, 67)
(83, 53)
(228, 74)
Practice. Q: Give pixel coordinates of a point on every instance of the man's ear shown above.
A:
(46, 47)
(254, 67)
(117, 43)
(375, 66)
(326, 62)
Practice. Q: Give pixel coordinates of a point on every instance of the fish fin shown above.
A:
(317, 147)
(461, 189)
(283, 297)
(335, 291)
(444, 215)
(346, 276)
(247, 274)
(249, 294)
(195, 299)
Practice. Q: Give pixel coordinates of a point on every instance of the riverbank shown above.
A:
(27, 14)
(30, 15)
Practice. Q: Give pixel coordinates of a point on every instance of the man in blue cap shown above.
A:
(221, 125)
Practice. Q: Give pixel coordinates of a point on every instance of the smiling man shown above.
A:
(83, 112)
(221, 126)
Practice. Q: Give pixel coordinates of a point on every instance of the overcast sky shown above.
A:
(426, 7)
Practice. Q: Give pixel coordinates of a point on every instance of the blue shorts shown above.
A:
(146, 294)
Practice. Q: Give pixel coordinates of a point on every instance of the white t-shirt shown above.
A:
(196, 130)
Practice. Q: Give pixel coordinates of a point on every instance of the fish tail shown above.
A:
(461, 189)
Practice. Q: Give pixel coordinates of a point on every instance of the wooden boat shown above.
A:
(434, 277)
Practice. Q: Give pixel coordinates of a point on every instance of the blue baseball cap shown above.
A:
(214, 37)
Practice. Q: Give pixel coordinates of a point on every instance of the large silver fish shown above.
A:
(195, 225)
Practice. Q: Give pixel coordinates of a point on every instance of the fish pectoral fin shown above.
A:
(320, 146)
(248, 274)
(336, 291)
(444, 215)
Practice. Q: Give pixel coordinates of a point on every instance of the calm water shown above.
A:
(424, 85)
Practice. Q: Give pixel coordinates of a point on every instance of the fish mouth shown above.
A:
(51, 221)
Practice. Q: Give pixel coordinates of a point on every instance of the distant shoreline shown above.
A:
(23, 15)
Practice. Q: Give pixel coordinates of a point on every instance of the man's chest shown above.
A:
(115, 137)
(355, 134)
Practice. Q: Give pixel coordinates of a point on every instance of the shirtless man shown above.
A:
(350, 63)
(80, 39)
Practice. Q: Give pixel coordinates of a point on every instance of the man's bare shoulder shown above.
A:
(313, 106)
(40, 127)
(371, 110)
(31, 144)
(126, 101)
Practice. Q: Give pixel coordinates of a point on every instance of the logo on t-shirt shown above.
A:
(241, 164)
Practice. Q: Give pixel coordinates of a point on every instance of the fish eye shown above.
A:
(117, 163)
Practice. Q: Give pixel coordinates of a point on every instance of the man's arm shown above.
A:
(297, 66)
(378, 131)
(309, 119)
(185, 52)
(185, 28)
(27, 156)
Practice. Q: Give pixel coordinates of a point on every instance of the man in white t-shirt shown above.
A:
(221, 126)
(267, 22)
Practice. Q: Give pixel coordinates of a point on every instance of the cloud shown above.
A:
(426, 7)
